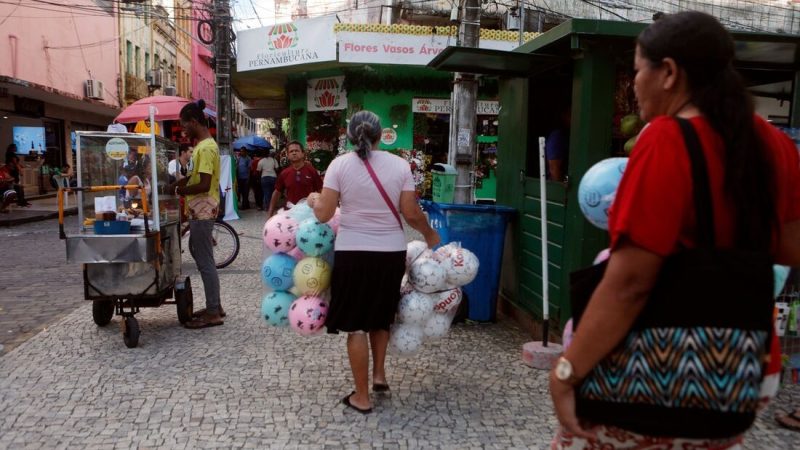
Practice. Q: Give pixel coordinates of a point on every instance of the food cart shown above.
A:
(128, 233)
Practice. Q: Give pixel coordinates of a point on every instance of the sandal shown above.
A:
(201, 312)
(380, 388)
(790, 421)
(347, 403)
(203, 321)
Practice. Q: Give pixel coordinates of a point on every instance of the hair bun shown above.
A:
(201, 104)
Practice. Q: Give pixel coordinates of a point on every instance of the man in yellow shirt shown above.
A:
(143, 126)
(201, 189)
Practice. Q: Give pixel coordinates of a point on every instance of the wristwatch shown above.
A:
(564, 372)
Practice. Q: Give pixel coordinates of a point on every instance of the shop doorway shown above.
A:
(432, 135)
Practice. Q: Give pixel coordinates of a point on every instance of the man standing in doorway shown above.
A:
(201, 189)
(242, 178)
(296, 181)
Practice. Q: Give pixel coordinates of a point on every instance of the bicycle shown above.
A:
(225, 241)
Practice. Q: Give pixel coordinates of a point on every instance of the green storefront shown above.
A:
(413, 101)
(584, 67)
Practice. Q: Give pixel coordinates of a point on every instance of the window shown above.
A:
(172, 74)
(138, 56)
(156, 62)
(146, 63)
(129, 60)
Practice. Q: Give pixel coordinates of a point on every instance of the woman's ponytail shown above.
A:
(364, 131)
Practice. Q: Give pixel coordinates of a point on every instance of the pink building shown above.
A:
(59, 72)
(203, 77)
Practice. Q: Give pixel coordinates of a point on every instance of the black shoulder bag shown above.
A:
(692, 364)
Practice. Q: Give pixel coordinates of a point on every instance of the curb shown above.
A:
(12, 221)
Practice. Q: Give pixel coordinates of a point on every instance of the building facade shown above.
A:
(135, 50)
(55, 79)
(165, 52)
(203, 78)
(183, 36)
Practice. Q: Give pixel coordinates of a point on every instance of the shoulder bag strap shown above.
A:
(383, 192)
(703, 205)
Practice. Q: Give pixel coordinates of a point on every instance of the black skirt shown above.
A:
(365, 290)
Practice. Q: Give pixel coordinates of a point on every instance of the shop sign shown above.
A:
(393, 48)
(326, 94)
(286, 44)
(388, 136)
(444, 106)
(117, 149)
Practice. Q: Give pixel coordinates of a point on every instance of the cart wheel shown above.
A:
(184, 302)
(102, 312)
(130, 333)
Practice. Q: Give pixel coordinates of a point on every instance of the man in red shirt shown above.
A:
(298, 180)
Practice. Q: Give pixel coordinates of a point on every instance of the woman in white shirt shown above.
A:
(268, 169)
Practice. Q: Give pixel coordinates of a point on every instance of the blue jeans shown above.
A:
(267, 186)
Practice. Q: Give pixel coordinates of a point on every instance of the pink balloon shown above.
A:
(296, 253)
(279, 233)
(602, 256)
(307, 315)
(566, 338)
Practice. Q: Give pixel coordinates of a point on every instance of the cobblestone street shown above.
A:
(66, 383)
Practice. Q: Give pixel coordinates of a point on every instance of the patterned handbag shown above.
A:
(692, 364)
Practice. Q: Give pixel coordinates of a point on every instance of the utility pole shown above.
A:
(222, 55)
(463, 120)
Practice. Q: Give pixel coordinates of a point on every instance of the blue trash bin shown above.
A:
(481, 229)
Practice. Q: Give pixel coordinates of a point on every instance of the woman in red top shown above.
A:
(683, 66)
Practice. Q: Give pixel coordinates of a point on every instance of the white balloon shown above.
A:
(437, 326)
(461, 267)
(446, 300)
(414, 308)
(405, 340)
(413, 251)
(405, 285)
(443, 253)
(427, 275)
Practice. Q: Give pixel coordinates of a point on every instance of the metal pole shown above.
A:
(222, 53)
(521, 21)
(545, 274)
(153, 172)
(462, 121)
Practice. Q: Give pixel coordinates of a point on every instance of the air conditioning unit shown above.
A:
(171, 90)
(154, 78)
(93, 89)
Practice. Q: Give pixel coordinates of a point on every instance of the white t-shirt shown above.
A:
(367, 223)
(268, 167)
(172, 167)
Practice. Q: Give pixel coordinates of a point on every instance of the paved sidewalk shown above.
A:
(245, 385)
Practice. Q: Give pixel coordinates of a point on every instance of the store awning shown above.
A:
(494, 62)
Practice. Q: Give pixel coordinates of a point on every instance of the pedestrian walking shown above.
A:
(255, 176)
(370, 248)
(242, 178)
(267, 169)
(201, 189)
(707, 181)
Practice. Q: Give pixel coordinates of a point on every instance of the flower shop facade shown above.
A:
(380, 68)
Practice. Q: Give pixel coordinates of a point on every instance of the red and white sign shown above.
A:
(444, 106)
(407, 49)
(326, 94)
(388, 136)
(286, 44)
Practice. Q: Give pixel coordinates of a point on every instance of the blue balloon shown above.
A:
(277, 271)
(598, 188)
(275, 308)
(781, 274)
(315, 238)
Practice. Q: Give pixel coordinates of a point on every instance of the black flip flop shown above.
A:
(789, 421)
(380, 388)
(347, 403)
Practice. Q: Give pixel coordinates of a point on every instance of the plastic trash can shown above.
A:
(443, 183)
(481, 229)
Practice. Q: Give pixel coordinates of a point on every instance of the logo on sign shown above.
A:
(388, 136)
(117, 148)
(327, 93)
(282, 36)
(423, 105)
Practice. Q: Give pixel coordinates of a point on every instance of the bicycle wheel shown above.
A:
(226, 244)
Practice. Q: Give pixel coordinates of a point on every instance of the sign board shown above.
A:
(388, 136)
(445, 106)
(326, 94)
(392, 48)
(287, 44)
(117, 149)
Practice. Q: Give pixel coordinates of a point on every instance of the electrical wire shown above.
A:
(83, 56)
(11, 13)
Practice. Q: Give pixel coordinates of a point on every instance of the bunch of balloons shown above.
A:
(299, 269)
(431, 293)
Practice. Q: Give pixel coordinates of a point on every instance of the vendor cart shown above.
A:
(130, 247)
